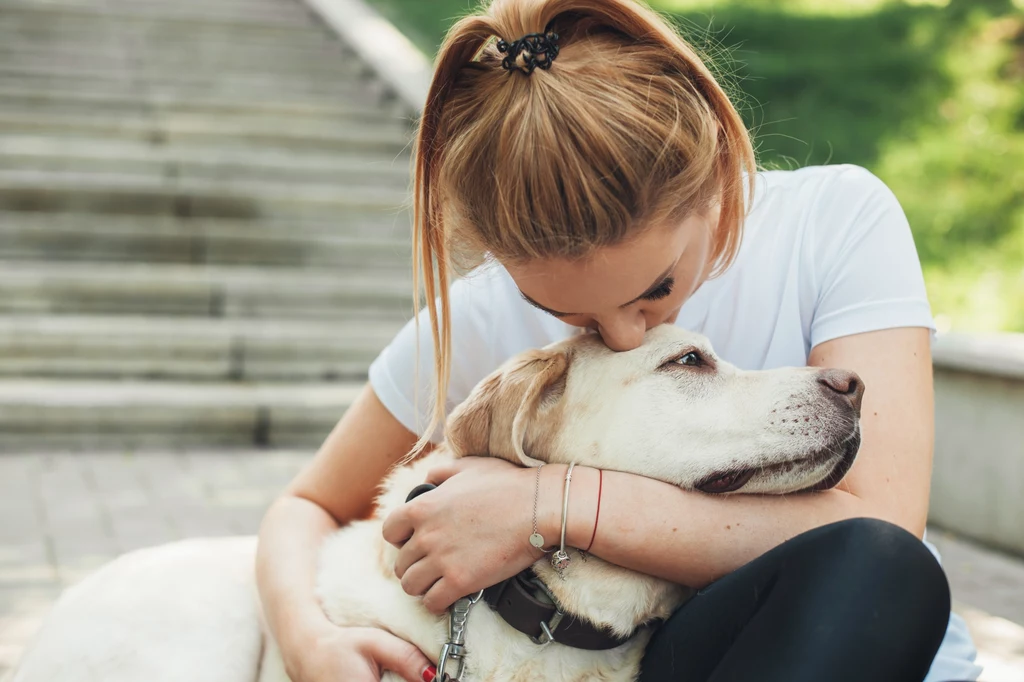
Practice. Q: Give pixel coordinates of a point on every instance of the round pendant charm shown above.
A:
(560, 560)
(537, 541)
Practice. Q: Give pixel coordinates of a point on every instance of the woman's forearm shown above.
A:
(291, 534)
(691, 538)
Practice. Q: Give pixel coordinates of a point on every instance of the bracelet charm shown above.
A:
(560, 560)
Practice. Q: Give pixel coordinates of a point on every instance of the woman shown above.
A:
(583, 147)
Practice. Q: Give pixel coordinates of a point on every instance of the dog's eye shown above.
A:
(691, 359)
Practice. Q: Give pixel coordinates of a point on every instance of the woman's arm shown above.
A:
(658, 529)
(336, 487)
(694, 538)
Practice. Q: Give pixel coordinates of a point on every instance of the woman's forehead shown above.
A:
(610, 277)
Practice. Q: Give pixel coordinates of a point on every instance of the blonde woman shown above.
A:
(585, 159)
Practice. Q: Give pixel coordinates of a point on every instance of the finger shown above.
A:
(442, 473)
(398, 526)
(410, 553)
(440, 596)
(419, 578)
(398, 656)
(438, 475)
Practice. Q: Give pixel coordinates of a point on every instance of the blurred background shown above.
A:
(204, 242)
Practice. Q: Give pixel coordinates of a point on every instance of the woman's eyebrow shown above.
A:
(657, 283)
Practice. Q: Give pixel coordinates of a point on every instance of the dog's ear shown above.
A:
(494, 418)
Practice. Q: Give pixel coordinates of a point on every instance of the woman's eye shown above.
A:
(691, 359)
(664, 290)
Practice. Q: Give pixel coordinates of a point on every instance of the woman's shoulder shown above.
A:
(843, 173)
(817, 185)
(819, 203)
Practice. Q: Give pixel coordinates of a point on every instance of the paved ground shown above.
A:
(63, 515)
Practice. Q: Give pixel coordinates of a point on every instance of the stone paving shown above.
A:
(62, 515)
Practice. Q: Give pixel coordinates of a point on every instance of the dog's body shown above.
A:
(669, 410)
(357, 586)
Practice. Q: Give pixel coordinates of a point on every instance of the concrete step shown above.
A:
(263, 163)
(284, 18)
(42, 414)
(45, 287)
(236, 5)
(332, 65)
(150, 87)
(312, 50)
(185, 197)
(40, 56)
(137, 41)
(140, 40)
(184, 349)
(162, 239)
(143, 70)
(176, 67)
(389, 137)
(38, 96)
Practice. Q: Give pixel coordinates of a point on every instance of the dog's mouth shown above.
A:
(731, 481)
(725, 483)
(850, 446)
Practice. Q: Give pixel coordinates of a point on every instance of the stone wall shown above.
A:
(978, 480)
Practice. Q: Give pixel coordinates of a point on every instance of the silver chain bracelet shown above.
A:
(536, 539)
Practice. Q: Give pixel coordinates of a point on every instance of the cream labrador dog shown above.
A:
(670, 410)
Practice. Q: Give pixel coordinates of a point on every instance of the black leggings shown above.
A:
(854, 601)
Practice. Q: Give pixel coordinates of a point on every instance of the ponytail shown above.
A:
(627, 128)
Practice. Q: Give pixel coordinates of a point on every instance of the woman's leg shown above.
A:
(854, 601)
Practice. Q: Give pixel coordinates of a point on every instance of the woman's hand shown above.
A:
(468, 534)
(360, 655)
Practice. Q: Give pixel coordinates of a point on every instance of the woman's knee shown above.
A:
(887, 558)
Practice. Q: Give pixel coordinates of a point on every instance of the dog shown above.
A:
(670, 410)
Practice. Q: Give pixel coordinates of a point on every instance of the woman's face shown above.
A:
(622, 291)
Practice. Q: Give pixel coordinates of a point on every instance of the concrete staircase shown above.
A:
(203, 224)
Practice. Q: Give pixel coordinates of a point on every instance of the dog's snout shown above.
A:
(844, 384)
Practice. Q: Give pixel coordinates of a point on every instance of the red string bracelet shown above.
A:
(597, 517)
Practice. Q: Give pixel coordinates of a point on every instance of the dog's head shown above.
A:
(670, 410)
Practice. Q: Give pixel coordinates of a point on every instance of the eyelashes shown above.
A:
(662, 291)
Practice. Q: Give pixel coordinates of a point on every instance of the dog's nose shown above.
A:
(844, 384)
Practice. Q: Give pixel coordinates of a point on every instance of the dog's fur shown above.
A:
(187, 611)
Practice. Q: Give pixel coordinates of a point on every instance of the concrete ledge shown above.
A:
(998, 355)
(979, 448)
(382, 46)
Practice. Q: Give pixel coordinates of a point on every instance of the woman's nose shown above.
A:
(623, 334)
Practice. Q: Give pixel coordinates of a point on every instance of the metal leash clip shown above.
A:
(454, 650)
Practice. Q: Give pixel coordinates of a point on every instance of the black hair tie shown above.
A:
(533, 46)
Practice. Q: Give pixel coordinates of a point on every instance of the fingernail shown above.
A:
(429, 673)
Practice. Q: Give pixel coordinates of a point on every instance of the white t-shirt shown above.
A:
(826, 252)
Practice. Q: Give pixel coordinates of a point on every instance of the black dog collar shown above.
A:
(526, 603)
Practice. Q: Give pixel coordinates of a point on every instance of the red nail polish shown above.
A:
(429, 673)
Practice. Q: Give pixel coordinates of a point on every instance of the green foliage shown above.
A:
(927, 94)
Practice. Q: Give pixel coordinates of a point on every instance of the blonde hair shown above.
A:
(627, 129)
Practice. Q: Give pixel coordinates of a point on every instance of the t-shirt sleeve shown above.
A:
(402, 376)
(868, 274)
